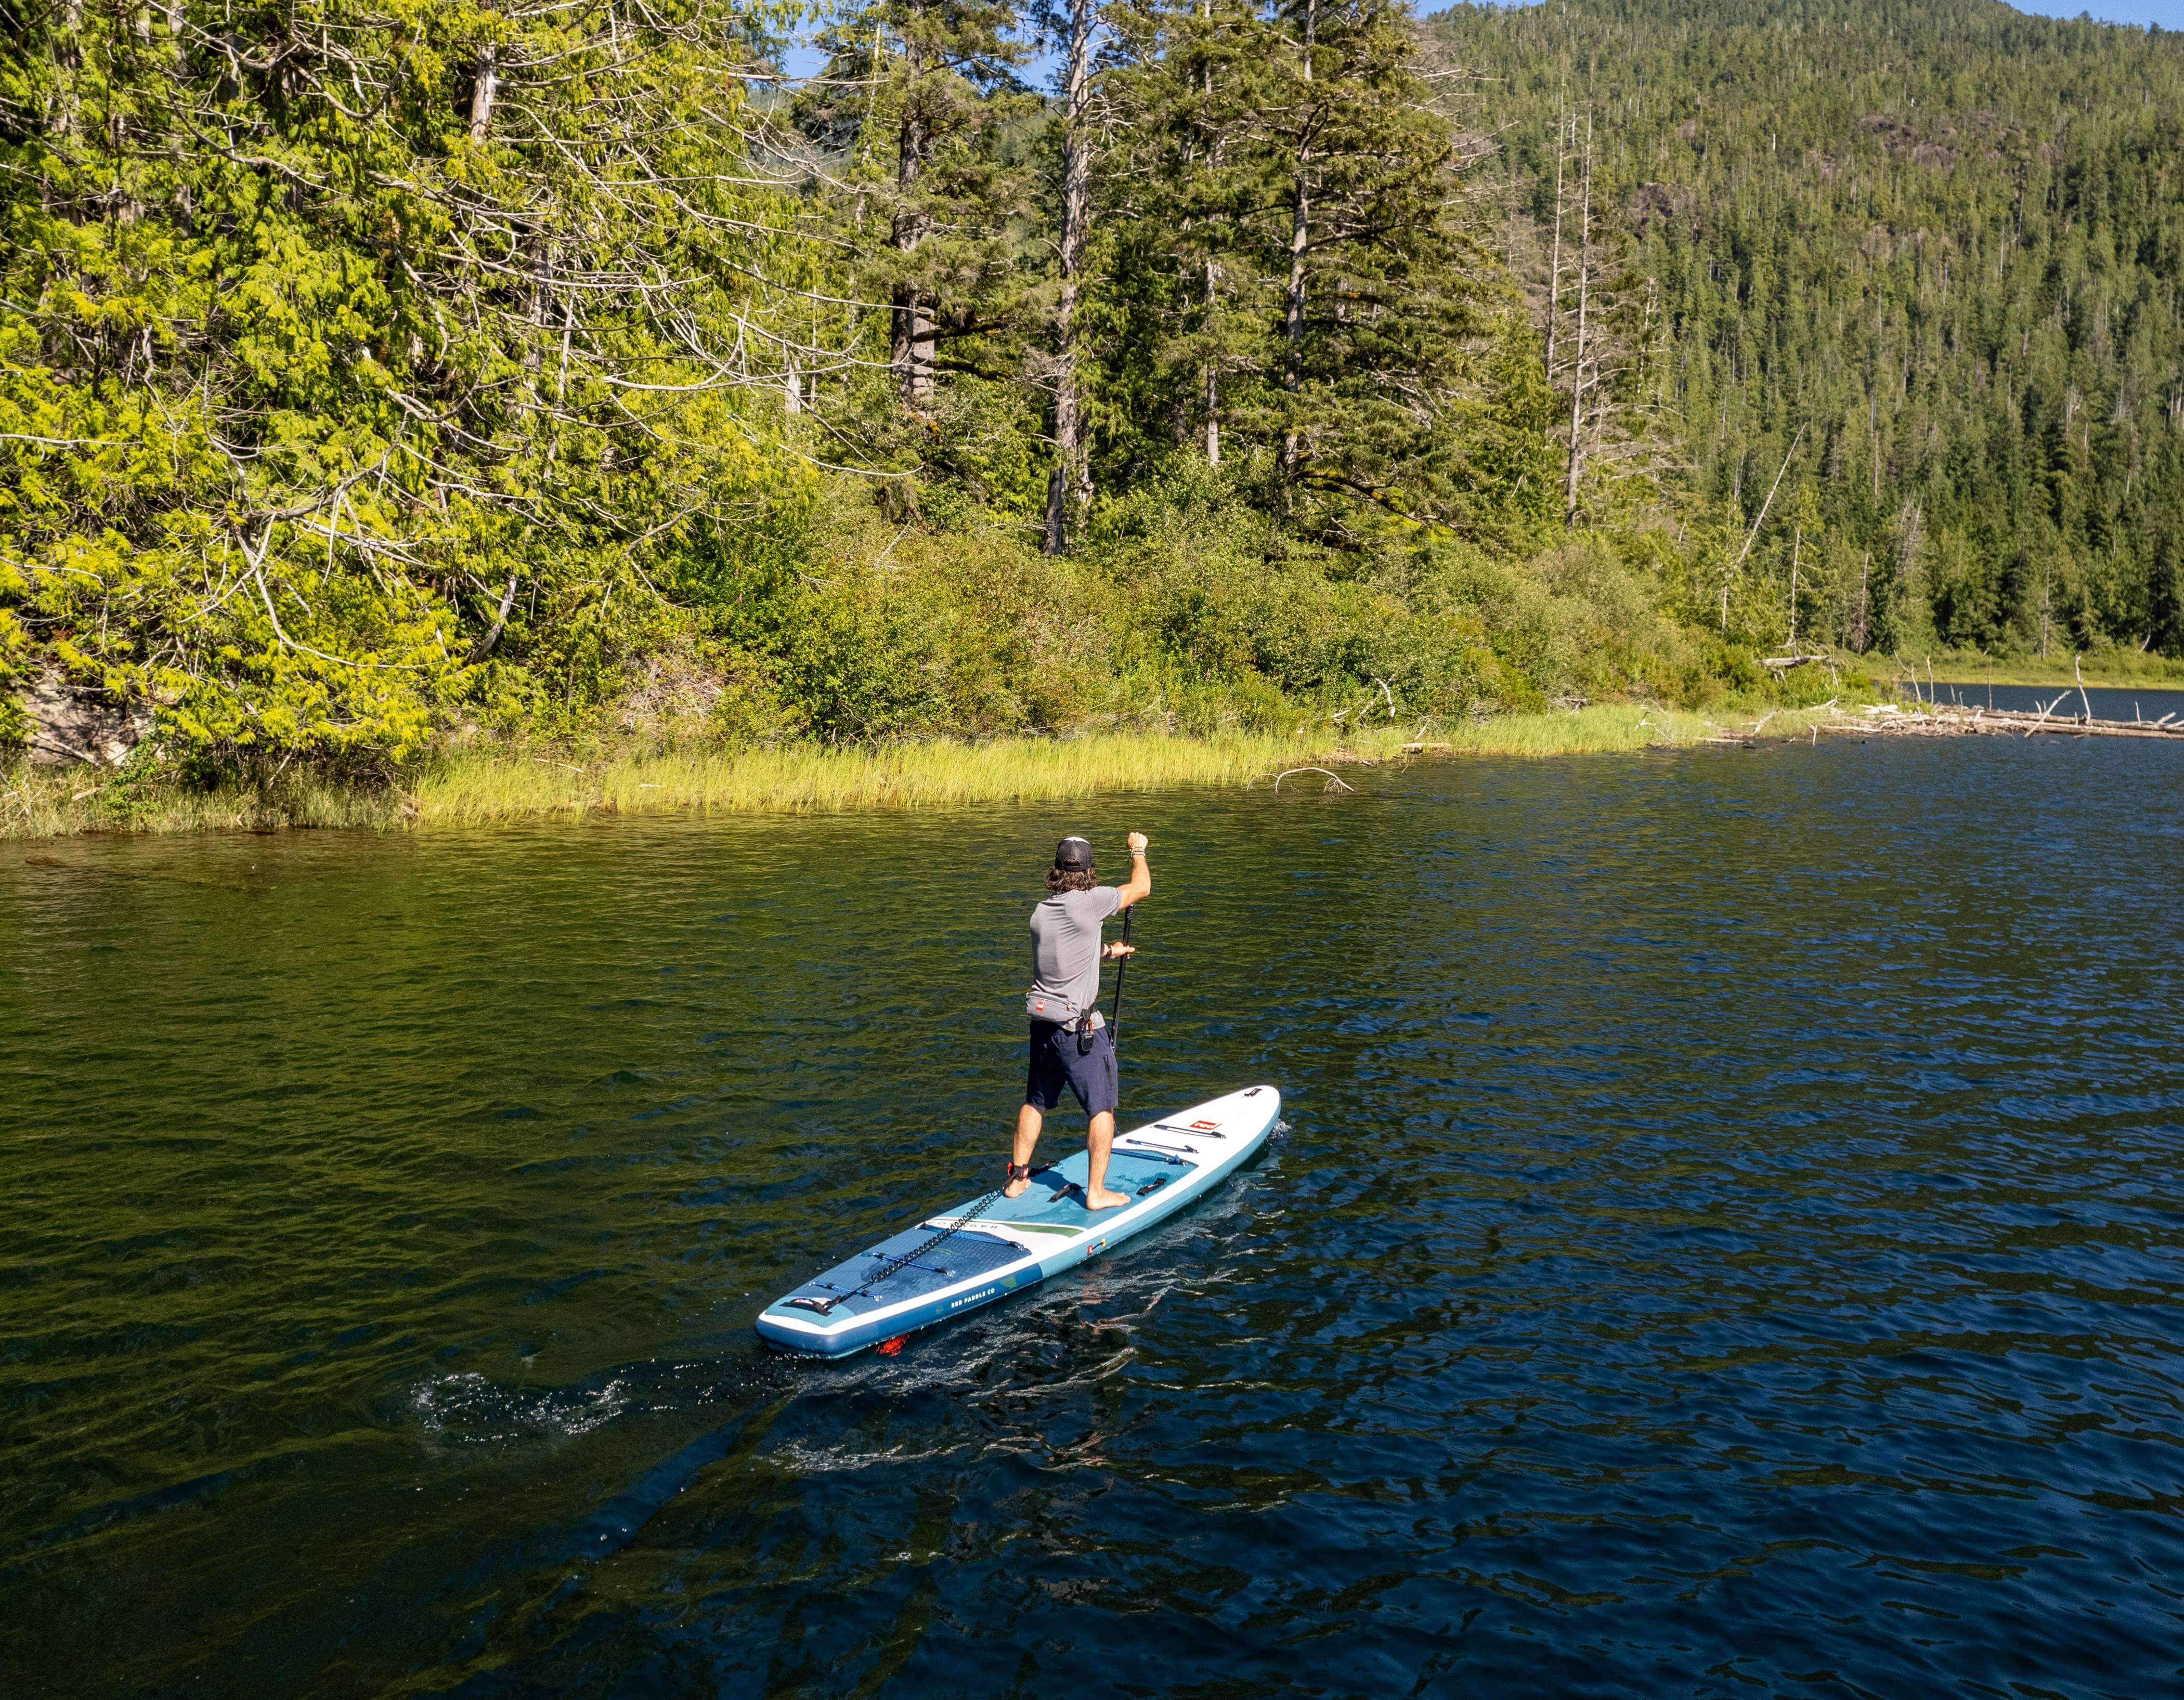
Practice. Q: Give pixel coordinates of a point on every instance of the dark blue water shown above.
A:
(1727, 1239)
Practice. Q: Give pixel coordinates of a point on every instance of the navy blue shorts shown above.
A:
(1056, 1060)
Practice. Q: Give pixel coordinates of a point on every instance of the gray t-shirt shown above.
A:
(1065, 953)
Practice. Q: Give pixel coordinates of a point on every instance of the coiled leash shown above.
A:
(895, 1265)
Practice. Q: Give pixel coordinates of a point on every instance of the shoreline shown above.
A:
(485, 784)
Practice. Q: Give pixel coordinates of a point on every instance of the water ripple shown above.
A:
(1725, 1236)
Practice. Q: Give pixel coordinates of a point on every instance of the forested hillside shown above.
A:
(1929, 250)
(375, 375)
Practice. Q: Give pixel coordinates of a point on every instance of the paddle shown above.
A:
(1115, 1020)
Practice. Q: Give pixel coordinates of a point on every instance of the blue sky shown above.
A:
(2168, 14)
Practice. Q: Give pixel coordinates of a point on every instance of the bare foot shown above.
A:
(1105, 1200)
(1016, 1189)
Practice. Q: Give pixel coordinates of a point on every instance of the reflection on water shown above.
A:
(1726, 1234)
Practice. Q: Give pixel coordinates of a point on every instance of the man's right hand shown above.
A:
(1141, 883)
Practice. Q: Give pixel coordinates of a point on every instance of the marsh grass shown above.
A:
(47, 802)
(488, 783)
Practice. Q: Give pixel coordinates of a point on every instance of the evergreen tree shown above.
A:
(1071, 26)
(915, 103)
(1184, 299)
(1297, 275)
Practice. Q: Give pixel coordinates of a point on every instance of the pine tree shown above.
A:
(915, 100)
(1384, 288)
(1297, 247)
(1185, 301)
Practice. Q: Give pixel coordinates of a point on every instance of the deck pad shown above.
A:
(1055, 1196)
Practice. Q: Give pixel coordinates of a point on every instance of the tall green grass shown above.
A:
(487, 783)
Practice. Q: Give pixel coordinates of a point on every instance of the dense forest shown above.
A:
(1925, 252)
(373, 376)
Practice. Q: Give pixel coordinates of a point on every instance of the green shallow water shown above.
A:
(1725, 1237)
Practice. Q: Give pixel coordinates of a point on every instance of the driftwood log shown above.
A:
(1945, 722)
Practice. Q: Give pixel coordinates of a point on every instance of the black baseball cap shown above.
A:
(1072, 855)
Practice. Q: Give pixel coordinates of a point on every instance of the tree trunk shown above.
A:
(911, 354)
(1796, 551)
(1577, 363)
(1555, 265)
(1212, 296)
(483, 647)
(68, 61)
(1069, 485)
(483, 91)
(1212, 371)
(1300, 244)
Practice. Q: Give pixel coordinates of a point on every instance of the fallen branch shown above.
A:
(1333, 780)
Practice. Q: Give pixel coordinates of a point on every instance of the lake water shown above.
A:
(1727, 1238)
(2108, 703)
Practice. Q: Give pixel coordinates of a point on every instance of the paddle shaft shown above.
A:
(1121, 962)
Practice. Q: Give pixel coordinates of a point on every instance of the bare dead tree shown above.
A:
(1562, 127)
(1300, 245)
(1578, 371)
(1069, 485)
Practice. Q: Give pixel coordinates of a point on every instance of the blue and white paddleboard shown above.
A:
(1014, 1242)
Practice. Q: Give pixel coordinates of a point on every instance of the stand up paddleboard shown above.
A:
(987, 1248)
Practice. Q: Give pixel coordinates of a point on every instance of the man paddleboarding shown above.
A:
(1070, 1043)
